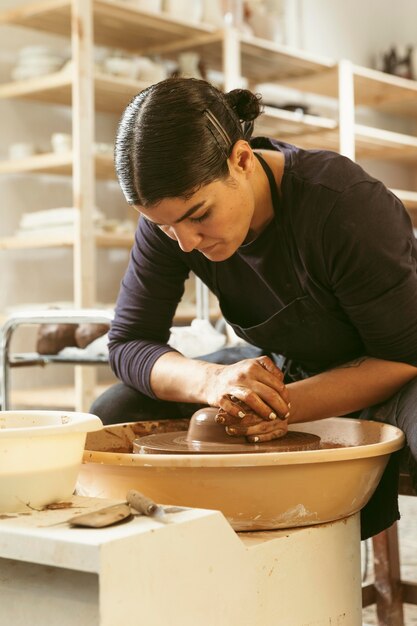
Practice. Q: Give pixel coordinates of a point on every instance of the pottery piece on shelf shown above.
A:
(185, 10)
(212, 13)
(189, 64)
(34, 61)
(21, 150)
(61, 143)
(153, 6)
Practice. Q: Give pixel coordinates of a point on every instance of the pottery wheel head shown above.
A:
(205, 436)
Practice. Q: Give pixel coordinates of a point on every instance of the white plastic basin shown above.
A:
(40, 456)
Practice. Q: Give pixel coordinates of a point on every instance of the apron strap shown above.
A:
(275, 195)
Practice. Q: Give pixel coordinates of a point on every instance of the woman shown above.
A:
(310, 257)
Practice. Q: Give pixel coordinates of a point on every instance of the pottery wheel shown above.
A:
(177, 443)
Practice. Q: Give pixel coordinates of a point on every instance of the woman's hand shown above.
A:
(253, 427)
(252, 398)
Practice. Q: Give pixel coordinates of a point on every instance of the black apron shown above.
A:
(306, 323)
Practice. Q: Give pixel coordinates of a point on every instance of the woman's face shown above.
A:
(216, 219)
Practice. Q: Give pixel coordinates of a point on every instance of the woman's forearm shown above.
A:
(179, 379)
(348, 388)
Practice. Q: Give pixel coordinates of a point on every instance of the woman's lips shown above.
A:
(208, 248)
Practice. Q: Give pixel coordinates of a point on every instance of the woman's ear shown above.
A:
(242, 159)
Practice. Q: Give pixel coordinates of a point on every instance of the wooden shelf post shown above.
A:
(84, 253)
(346, 110)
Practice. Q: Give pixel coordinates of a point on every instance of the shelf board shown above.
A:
(56, 164)
(62, 397)
(103, 240)
(282, 123)
(261, 60)
(116, 24)
(371, 143)
(376, 143)
(384, 92)
(119, 25)
(264, 60)
(112, 93)
(408, 198)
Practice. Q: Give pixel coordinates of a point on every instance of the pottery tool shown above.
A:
(107, 516)
(146, 506)
(110, 515)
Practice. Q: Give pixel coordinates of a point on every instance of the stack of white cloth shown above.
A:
(62, 221)
(52, 222)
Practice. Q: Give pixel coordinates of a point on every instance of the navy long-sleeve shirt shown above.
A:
(332, 277)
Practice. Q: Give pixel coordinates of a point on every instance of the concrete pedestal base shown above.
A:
(195, 570)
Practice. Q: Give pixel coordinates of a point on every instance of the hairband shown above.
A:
(227, 142)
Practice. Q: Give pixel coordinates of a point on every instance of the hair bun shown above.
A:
(245, 104)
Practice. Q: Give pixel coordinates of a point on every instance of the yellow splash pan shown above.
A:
(254, 491)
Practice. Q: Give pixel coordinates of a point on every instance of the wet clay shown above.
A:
(176, 443)
(205, 436)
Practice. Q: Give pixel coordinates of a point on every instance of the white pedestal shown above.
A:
(193, 571)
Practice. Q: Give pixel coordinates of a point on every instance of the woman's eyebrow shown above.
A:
(190, 211)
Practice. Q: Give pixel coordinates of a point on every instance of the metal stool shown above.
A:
(51, 316)
(388, 591)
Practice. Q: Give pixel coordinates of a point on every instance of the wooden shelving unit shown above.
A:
(372, 88)
(408, 198)
(101, 239)
(57, 164)
(371, 143)
(116, 24)
(111, 93)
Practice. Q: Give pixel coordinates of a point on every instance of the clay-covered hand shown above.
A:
(252, 426)
(252, 398)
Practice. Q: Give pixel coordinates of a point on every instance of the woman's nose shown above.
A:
(186, 238)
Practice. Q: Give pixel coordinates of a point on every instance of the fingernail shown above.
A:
(255, 439)
(289, 405)
(272, 416)
(241, 414)
(286, 416)
(231, 431)
(220, 419)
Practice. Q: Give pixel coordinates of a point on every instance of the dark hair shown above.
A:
(177, 135)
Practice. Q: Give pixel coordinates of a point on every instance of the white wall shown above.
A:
(356, 29)
(360, 30)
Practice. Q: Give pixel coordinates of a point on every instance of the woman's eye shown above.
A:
(197, 220)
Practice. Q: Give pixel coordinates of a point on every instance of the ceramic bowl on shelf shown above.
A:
(24, 73)
(34, 61)
(40, 456)
(120, 66)
(61, 143)
(21, 150)
(153, 6)
(185, 10)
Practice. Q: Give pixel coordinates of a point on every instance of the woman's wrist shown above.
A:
(177, 378)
